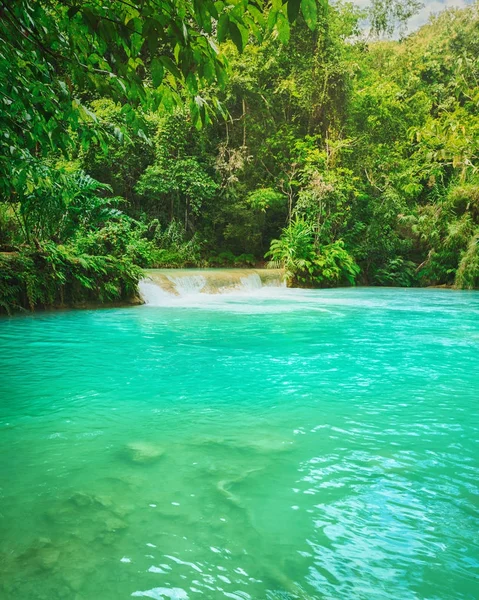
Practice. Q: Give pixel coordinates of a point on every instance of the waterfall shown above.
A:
(172, 286)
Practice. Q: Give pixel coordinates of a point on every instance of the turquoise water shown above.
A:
(280, 444)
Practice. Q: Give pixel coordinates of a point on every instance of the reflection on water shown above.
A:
(261, 444)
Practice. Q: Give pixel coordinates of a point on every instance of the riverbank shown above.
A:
(34, 282)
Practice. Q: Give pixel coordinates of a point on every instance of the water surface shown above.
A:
(271, 444)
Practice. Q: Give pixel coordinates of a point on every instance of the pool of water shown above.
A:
(281, 444)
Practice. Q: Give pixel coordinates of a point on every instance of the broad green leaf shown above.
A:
(236, 36)
(256, 14)
(293, 10)
(310, 13)
(170, 65)
(72, 11)
(176, 52)
(157, 71)
(282, 27)
(192, 83)
(223, 27)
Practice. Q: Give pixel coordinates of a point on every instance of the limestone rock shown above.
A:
(48, 558)
(83, 500)
(143, 452)
(113, 524)
(40, 555)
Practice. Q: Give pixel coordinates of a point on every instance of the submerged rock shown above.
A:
(42, 554)
(113, 524)
(143, 452)
(74, 579)
(84, 500)
(48, 557)
(123, 510)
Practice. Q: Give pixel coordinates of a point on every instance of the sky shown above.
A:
(434, 6)
(430, 7)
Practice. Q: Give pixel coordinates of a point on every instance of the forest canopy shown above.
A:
(237, 133)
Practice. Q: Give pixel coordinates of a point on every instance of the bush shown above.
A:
(308, 264)
(334, 265)
(122, 239)
(61, 276)
(245, 260)
(397, 272)
(467, 275)
(172, 248)
(228, 259)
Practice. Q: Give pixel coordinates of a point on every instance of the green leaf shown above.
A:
(170, 65)
(293, 10)
(257, 15)
(191, 83)
(310, 13)
(157, 71)
(213, 45)
(236, 36)
(176, 52)
(72, 11)
(132, 13)
(282, 27)
(223, 27)
(202, 17)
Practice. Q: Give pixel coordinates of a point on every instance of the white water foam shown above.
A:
(188, 285)
(183, 288)
(160, 593)
(153, 294)
(231, 290)
(251, 282)
(257, 291)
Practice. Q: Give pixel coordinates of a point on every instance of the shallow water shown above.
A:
(277, 444)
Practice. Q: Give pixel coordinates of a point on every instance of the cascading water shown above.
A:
(175, 286)
(188, 284)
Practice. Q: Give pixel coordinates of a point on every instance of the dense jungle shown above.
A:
(316, 137)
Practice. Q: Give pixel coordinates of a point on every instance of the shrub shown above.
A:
(397, 272)
(467, 275)
(61, 276)
(307, 264)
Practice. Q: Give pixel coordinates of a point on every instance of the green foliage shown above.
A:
(60, 202)
(123, 239)
(143, 244)
(294, 251)
(308, 263)
(335, 265)
(130, 148)
(467, 275)
(58, 275)
(346, 158)
(52, 52)
(109, 49)
(263, 198)
(172, 248)
(397, 272)
(57, 55)
(177, 182)
(386, 16)
(413, 114)
(182, 180)
(228, 259)
(448, 230)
